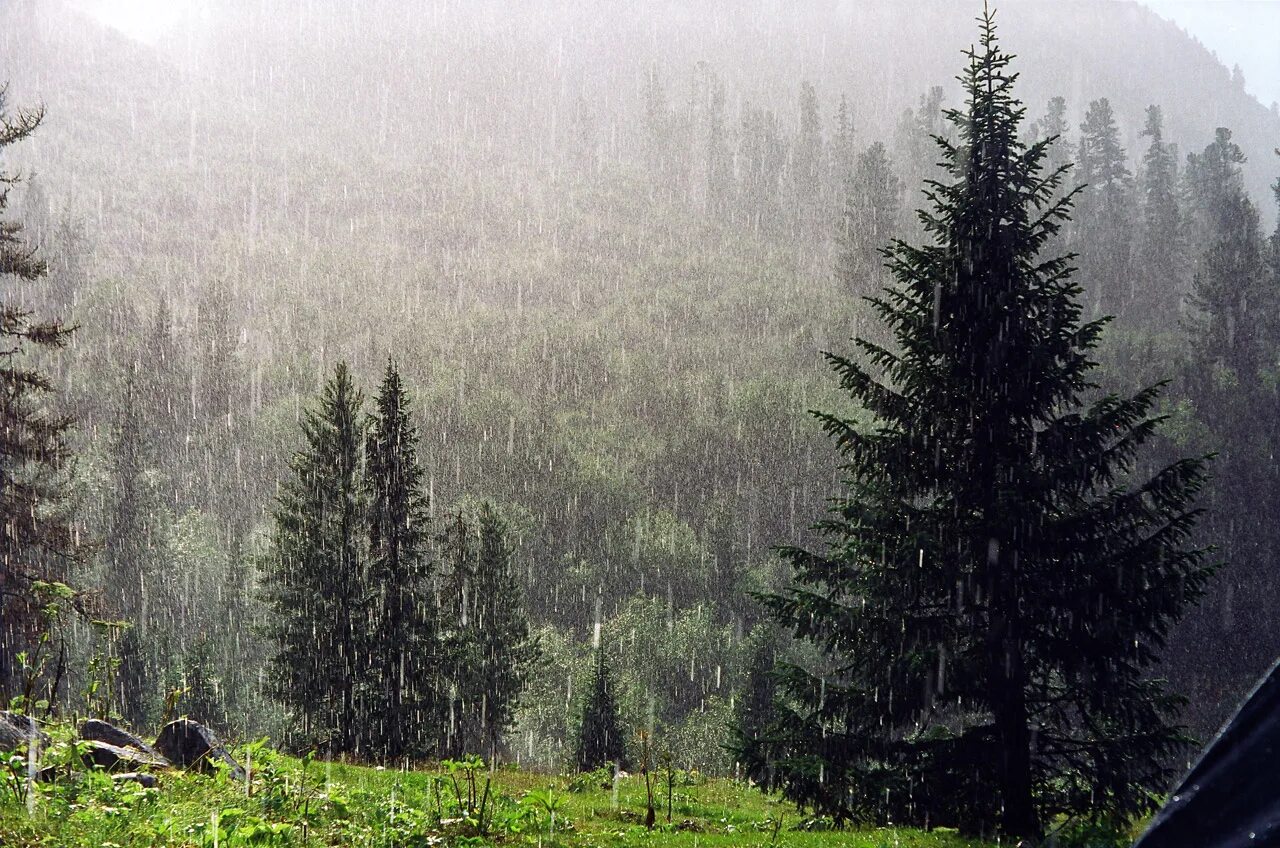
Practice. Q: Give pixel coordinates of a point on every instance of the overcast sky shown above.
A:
(1241, 32)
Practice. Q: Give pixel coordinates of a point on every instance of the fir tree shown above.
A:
(1232, 300)
(873, 201)
(1230, 323)
(1054, 126)
(131, 564)
(996, 590)
(316, 574)
(499, 650)
(756, 711)
(36, 541)
(404, 645)
(600, 739)
(807, 161)
(1103, 234)
(1159, 267)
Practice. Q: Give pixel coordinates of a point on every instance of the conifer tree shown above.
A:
(1159, 249)
(1230, 322)
(996, 588)
(842, 150)
(873, 201)
(756, 712)
(1231, 299)
(1103, 232)
(600, 739)
(1054, 125)
(36, 541)
(807, 161)
(403, 646)
(492, 651)
(130, 561)
(316, 575)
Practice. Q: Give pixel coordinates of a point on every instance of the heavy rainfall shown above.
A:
(706, 422)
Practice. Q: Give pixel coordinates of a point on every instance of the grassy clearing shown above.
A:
(296, 802)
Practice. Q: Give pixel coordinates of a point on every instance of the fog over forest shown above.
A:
(564, 274)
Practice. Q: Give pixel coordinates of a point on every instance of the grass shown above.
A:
(304, 802)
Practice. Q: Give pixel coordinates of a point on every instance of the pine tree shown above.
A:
(1159, 250)
(600, 739)
(996, 588)
(1103, 231)
(36, 541)
(316, 574)
(404, 645)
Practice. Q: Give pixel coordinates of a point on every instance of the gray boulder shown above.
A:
(146, 781)
(116, 757)
(189, 744)
(16, 730)
(96, 730)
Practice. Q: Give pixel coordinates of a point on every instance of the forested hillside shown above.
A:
(605, 245)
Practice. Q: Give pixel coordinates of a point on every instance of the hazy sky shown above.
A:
(1241, 32)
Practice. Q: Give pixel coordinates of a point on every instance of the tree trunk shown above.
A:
(1013, 737)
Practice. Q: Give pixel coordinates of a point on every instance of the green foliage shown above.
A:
(315, 573)
(402, 641)
(998, 582)
(490, 650)
(37, 542)
(601, 739)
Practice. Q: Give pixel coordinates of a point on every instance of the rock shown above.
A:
(112, 757)
(190, 744)
(95, 730)
(16, 730)
(146, 781)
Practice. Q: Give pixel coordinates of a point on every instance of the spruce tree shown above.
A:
(1232, 300)
(872, 207)
(130, 561)
(756, 712)
(997, 585)
(495, 652)
(403, 646)
(600, 739)
(808, 161)
(1103, 231)
(1159, 265)
(1232, 315)
(36, 540)
(316, 578)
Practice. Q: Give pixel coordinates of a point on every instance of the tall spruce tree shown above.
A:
(1159, 265)
(1232, 300)
(872, 208)
(315, 576)
(600, 739)
(406, 665)
(1230, 324)
(130, 560)
(996, 588)
(494, 651)
(1103, 230)
(756, 712)
(36, 541)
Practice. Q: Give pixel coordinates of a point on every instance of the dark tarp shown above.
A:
(1232, 795)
